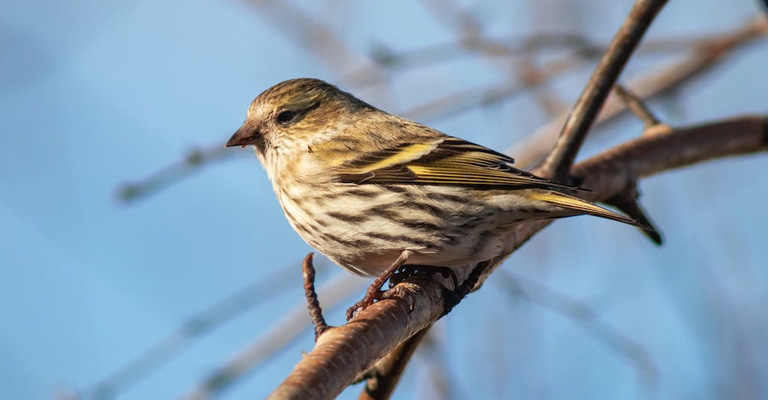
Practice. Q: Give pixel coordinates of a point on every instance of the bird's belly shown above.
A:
(364, 228)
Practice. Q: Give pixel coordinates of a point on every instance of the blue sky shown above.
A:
(97, 94)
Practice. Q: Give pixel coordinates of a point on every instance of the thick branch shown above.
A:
(599, 86)
(681, 147)
(344, 352)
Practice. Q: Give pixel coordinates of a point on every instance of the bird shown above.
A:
(374, 191)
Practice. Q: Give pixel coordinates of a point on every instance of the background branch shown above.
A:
(658, 81)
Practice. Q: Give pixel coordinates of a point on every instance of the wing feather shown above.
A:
(444, 160)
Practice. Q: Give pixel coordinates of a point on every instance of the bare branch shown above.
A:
(599, 86)
(661, 80)
(649, 155)
(635, 104)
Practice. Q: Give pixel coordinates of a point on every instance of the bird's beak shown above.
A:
(244, 136)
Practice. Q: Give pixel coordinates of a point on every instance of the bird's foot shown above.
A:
(374, 292)
(452, 297)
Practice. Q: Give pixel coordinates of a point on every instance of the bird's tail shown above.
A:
(584, 207)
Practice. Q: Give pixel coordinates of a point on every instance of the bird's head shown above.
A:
(293, 114)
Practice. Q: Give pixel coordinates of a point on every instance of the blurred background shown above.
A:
(141, 260)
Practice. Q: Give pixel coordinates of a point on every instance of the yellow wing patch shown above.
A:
(404, 155)
(443, 161)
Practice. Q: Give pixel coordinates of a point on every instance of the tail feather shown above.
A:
(584, 207)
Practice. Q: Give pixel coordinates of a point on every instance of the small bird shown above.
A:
(374, 191)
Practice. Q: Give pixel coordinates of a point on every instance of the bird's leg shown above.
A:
(374, 291)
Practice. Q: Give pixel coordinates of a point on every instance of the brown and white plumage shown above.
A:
(363, 186)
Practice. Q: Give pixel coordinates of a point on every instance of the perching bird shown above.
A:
(373, 191)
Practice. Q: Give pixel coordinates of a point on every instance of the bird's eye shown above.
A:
(285, 116)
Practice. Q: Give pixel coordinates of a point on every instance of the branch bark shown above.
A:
(342, 353)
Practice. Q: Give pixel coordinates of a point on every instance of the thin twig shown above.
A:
(191, 163)
(315, 312)
(585, 110)
(635, 104)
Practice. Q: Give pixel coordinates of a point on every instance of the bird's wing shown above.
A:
(443, 160)
(452, 161)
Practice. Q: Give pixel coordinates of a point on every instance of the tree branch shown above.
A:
(346, 351)
(603, 78)
(706, 55)
(343, 353)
